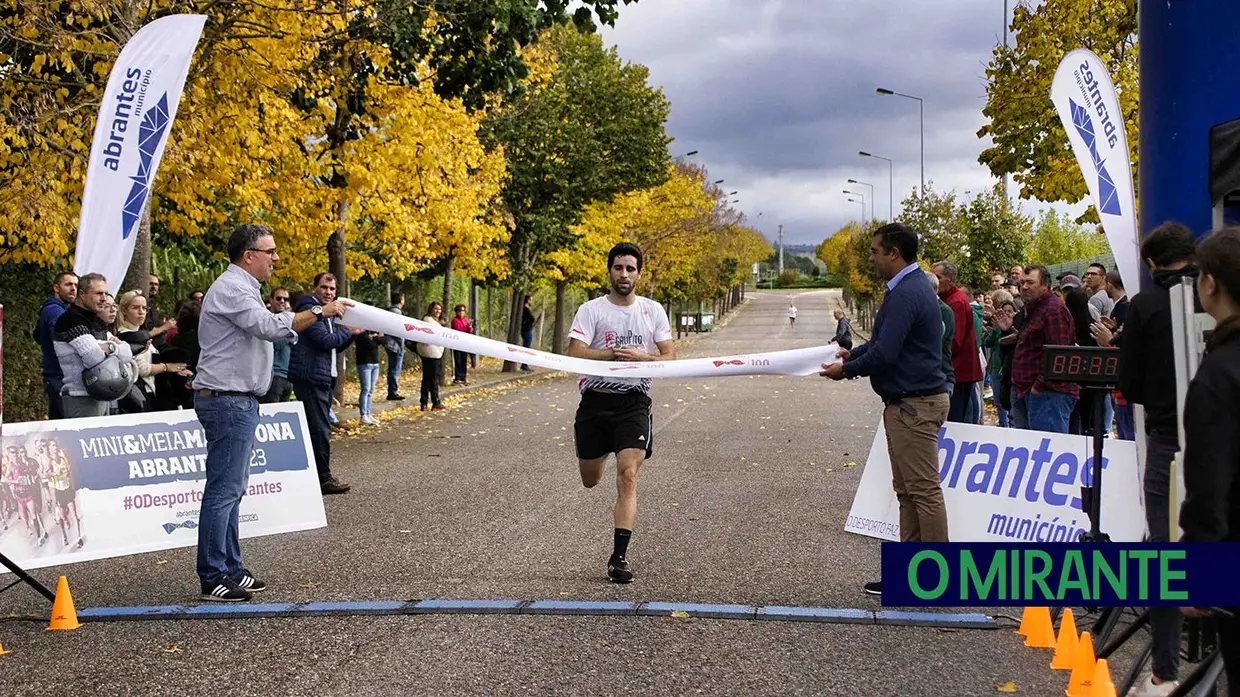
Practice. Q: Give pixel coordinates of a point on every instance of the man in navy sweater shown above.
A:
(64, 293)
(312, 373)
(904, 361)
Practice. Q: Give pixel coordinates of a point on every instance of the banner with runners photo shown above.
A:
(76, 490)
(1010, 485)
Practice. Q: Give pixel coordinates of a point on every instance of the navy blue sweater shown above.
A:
(905, 354)
(52, 309)
(311, 357)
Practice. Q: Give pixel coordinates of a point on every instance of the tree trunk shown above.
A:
(557, 341)
(490, 325)
(336, 267)
(473, 317)
(447, 312)
(541, 336)
(138, 274)
(514, 326)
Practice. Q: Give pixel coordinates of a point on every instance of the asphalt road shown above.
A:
(744, 502)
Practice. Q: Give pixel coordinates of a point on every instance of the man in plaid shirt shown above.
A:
(1044, 406)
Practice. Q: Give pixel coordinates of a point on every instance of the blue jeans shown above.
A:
(367, 375)
(1020, 412)
(1125, 422)
(527, 340)
(995, 383)
(396, 361)
(228, 423)
(1166, 623)
(1049, 411)
(964, 403)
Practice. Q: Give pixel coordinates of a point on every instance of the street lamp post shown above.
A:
(853, 200)
(854, 181)
(890, 181)
(862, 197)
(921, 110)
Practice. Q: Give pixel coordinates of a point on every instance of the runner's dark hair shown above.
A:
(625, 249)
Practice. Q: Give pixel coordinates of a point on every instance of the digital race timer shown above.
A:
(1086, 365)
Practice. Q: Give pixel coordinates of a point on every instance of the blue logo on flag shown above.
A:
(1108, 198)
(150, 134)
(173, 527)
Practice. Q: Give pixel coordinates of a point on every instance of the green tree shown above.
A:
(1029, 139)
(996, 236)
(592, 130)
(1057, 239)
(934, 215)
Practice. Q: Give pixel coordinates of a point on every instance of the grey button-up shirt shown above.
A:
(235, 333)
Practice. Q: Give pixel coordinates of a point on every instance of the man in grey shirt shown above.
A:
(235, 332)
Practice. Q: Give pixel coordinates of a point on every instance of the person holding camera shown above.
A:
(1211, 508)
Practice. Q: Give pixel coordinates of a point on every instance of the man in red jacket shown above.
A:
(966, 361)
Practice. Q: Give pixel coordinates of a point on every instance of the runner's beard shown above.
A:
(620, 290)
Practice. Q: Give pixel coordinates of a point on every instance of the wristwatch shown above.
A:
(317, 310)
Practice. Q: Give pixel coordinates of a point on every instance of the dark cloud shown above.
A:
(779, 97)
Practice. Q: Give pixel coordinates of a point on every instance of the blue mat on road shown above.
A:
(452, 606)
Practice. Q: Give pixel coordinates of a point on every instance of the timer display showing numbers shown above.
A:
(1081, 364)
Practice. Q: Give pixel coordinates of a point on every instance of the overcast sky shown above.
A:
(778, 97)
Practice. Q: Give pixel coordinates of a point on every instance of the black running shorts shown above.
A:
(608, 423)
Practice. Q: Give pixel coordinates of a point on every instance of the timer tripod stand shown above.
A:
(1096, 370)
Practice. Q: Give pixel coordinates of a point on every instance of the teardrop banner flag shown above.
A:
(135, 118)
(804, 361)
(1088, 106)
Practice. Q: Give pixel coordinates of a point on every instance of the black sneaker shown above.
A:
(619, 571)
(874, 588)
(226, 591)
(249, 583)
(396, 398)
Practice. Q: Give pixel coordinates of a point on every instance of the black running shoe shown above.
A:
(874, 588)
(226, 591)
(249, 583)
(619, 571)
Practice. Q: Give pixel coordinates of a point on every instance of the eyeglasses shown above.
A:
(280, 299)
(264, 251)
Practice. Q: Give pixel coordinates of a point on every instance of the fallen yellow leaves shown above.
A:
(680, 614)
(1008, 686)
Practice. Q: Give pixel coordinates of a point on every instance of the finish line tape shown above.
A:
(800, 362)
(609, 608)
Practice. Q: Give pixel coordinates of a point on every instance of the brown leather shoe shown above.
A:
(331, 486)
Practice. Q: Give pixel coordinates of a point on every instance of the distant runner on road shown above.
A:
(792, 314)
(614, 415)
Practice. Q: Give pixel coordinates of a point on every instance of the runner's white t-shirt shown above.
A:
(792, 311)
(602, 324)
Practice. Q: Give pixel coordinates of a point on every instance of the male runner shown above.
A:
(614, 414)
(792, 314)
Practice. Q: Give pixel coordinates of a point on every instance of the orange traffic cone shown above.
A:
(1065, 648)
(1041, 632)
(1025, 618)
(64, 616)
(1081, 682)
(2, 651)
(1102, 687)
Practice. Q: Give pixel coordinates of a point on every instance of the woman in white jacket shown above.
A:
(432, 362)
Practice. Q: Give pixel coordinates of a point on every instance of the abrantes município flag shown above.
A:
(1088, 106)
(135, 118)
